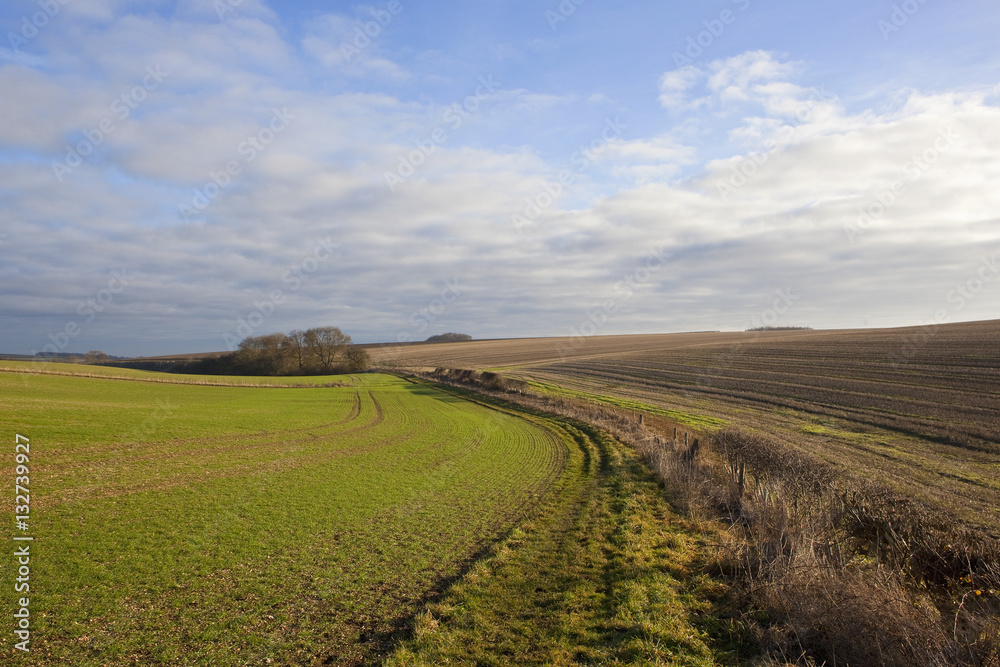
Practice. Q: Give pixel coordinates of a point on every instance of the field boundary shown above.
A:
(583, 574)
(846, 569)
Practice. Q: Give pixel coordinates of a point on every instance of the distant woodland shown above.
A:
(449, 338)
(781, 329)
(319, 351)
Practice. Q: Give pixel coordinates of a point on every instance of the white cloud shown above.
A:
(737, 78)
(752, 80)
(324, 177)
(646, 160)
(675, 86)
(350, 46)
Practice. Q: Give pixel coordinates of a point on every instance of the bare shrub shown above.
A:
(848, 616)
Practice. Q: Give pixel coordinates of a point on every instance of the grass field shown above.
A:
(80, 370)
(251, 524)
(234, 525)
(918, 409)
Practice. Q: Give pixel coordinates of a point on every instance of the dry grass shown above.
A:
(851, 572)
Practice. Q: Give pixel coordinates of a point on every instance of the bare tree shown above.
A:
(298, 342)
(95, 357)
(264, 355)
(318, 350)
(357, 359)
(325, 343)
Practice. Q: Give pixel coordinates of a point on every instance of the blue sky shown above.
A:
(176, 175)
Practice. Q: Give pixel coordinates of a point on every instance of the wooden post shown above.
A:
(675, 435)
(640, 419)
(685, 439)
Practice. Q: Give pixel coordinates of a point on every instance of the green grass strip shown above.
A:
(605, 573)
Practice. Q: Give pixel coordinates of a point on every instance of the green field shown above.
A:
(286, 524)
(233, 525)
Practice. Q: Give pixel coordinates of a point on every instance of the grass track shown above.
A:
(604, 574)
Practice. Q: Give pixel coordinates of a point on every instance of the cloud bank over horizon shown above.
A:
(177, 173)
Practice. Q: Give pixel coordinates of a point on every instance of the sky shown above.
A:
(176, 175)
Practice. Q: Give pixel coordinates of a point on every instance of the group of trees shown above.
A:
(780, 329)
(449, 338)
(92, 357)
(323, 350)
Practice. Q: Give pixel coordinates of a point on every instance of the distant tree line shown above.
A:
(92, 357)
(318, 351)
(781, 329)
(449, 338)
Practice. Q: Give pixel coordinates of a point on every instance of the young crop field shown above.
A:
(183, 524)
(118, 373)
(918, 408)
(186, 523)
